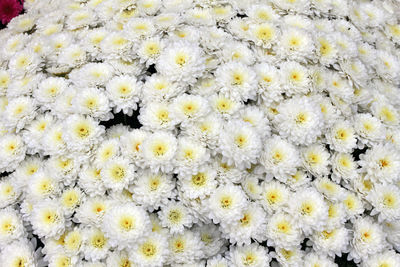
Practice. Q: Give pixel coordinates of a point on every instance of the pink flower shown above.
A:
(9, 9)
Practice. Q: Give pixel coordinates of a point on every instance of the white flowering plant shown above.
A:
(253, 133)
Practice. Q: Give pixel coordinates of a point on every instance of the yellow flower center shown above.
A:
(180, 59)
(126, 223)
(175, 216)
(159, 149)
(118, 173)
(199, 179)
(148, 249)
(241, 140)
(98, 240)
(226, 202)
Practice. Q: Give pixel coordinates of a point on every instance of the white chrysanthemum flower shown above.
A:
(90, 181)
(185, 248)
(125, 224)
(190, 156)
(64, 168)
(52, 142)
(106, 151)
(188, 108)
(336, 215)
(138, 28)
(329, 111)
(25, 171)
(296, 78)
(341, 137)
(251, 186)
(280, 157)
(296, 180)
(152, 251)
(369, 127)
(150, 49)
(158, 150)
(19, 253)
(226, 204)
(238, 52)
(114, 45)
(387, 258)
(181, 61)
(23, 62)
(283, 231)
(256, 117)
(5, 79)
(81, 18)
(10, 190)
(95, 244)
(211, 239)
(387, 65)
(386, 202)
(62, 106)
(119, 258)
(117, 174)
(353, 205)
(392, 30)
(80, 133)
(264, 34)
(199, 16)
(175, 216)
(70, 199)
(240, 27)
(218, 261)
(331, 241)
(61, 258)
(200, 184)
(12, 152)
(152, 190)
(48, 219)
(132, 144)
(368, 239)
(11, 227)
(92, 102)
(22, 23)
(91, 74)
(158, 88)
(300, 120)
(381, 163)
(289, 256)
(269, 82)
(387, 113)
(327, 49)
(330, 189)
(249, 255)
(339, 87)
(206, 130)
(274, 196)
(123, 91)
(313, 259)
(36, 130)
(309, 209)
(316, 160)
(72, 241)
(92, 211)
(241, 145)
(18, 112)
(72, 56)
(224, 106)
(248, 227)
(295, 44)
(262, 13)
(237, 81)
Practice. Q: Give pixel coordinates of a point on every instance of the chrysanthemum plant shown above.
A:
(253, 133)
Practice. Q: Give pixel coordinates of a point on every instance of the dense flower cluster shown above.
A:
(270, 133)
